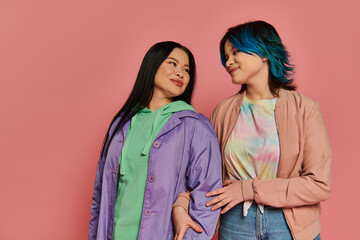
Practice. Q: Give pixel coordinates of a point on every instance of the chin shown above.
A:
(176, 94)
(237, 81)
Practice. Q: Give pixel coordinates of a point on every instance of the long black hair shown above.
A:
(143, 89)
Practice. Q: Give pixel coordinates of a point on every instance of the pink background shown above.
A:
(66, 67)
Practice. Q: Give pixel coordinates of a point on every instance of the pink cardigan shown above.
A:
(304, 174)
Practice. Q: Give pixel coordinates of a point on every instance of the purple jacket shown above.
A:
(185, 156)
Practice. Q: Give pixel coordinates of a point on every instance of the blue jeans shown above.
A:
(271, 225)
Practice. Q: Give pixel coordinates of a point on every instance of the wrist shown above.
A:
(182, 202)
(179, 207)
(247, 189)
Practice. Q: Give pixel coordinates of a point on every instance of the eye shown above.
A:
(236, 51)
(186, 70)
(172, 63)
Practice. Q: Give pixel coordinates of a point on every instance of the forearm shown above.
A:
(193, 235)
(199, 212)
(206, 220)
(292, 192)
(183, 201)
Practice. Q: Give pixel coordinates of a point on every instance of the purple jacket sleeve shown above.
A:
(95, 205)
(204, 175)
(96, 199)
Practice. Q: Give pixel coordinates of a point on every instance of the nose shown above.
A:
(229, 62)
(179, 73)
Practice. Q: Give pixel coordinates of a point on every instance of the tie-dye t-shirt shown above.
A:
(253, 146)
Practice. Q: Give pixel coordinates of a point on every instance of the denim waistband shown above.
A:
(255, 204)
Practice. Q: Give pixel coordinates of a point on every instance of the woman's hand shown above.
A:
(230, 194)
(182, 221)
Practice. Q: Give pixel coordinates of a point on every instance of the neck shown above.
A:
(258, 88)
(157, 103)
(258, 92)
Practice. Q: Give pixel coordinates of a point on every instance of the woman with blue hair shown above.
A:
(275, 148)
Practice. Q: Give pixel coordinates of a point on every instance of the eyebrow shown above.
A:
(232, 48)
(187, 65)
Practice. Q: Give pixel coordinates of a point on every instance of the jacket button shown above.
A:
(156, 144)
(151, 179)
(147, 212)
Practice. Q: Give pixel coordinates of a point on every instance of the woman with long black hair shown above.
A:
(157, 146)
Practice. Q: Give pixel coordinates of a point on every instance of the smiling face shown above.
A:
(172, 77)
(242, 67)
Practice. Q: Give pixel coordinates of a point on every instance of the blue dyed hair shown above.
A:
(261, 38)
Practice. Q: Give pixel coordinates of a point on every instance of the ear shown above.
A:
(264, 59)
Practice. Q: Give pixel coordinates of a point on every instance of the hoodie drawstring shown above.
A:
(124, 150)
(149, 142)
(155, 123)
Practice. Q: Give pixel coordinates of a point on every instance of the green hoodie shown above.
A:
(134, 159)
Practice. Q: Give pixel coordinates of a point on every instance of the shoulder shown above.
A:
(226, 108)
(297, 99)
(298, 103)
(114, 123)
(197, 120)
(195, 117)
(203, 122)
(229, 101)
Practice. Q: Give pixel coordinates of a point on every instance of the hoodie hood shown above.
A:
(147, 123)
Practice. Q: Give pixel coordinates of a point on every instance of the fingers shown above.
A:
(215, 200)
(215, 192)
(228, 182)
(228, 207)
(180, 234)
(221, 203)
(196, 227)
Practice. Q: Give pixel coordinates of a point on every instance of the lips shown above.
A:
(232, 70)
(177, 82)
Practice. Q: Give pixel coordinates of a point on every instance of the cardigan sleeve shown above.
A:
(313, 184)
(204, 175)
